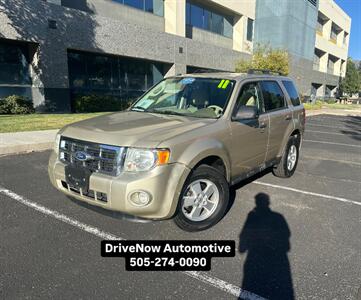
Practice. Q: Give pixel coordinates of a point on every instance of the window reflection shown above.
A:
(126, 78)
(153, 6)
(14, 64)
(207, 19)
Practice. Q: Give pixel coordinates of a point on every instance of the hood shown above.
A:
(137, 129)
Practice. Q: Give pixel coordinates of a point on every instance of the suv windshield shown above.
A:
(188, 96)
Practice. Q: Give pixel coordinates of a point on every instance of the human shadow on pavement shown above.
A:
(265, 237)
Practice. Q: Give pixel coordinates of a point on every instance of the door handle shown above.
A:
(262, 125)
(288, 117)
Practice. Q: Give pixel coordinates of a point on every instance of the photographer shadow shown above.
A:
(266, 239)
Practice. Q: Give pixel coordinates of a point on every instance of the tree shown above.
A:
(359, 76)
(351, 83)
(266, 58)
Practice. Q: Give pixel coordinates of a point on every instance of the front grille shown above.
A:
(100, 158)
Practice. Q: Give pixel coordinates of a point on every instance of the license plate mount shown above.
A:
(77, 177)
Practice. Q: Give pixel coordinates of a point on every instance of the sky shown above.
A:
(353, 9)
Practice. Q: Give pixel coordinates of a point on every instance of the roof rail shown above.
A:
(209, 71)
(264, 71)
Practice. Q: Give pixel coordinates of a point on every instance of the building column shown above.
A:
(238, 33)
(321, 91)
(339, 39)
(343, 68)
(175, 17)
(326, 32)
(323, 63)
(337, 67)
(176, 69)
(49, 70)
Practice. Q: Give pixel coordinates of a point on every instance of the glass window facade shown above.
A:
(250, 29)
(125, 78)
(204, 18)
(14, 64)
(194, 69)
(153, 6)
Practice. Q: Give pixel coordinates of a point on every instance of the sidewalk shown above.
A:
(336, 112)
(27, 141)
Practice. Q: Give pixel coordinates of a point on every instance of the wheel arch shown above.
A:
(294, 132)
(210, 152)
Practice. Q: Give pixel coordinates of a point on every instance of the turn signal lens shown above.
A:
(163, 157)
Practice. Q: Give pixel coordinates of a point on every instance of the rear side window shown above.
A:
(273, 97)
(292, 92)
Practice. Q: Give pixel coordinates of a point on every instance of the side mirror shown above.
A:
(246, 113)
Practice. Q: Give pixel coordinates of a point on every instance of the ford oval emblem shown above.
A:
(82, 156)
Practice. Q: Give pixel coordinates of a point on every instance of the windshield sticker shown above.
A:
(223, 84)
(187, 80)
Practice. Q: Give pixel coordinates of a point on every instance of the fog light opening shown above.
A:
(140, 198)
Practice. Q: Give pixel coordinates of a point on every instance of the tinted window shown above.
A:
(111, 75)
(14, 64)
(135, 3)
(207, 19)
(272, 95)
(217, 23)
(153, 6)
(196, 16)
(292, 92)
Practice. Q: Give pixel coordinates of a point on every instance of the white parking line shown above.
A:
(334, 133)
(332, 143)
(307, 193)
(213, 281)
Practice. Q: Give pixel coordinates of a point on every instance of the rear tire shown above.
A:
(288, 164)
(203, 200)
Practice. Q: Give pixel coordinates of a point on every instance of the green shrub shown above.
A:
(16, 105)
(96, 103)
(317, 105)
(331, 101)
(264, 57)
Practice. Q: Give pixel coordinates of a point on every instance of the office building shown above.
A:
(54, 50)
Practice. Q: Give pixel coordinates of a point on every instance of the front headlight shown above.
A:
(56, 143)
(145, 159)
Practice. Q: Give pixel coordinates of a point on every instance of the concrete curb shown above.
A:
(28, 141)
(335, 112)
(25, 148)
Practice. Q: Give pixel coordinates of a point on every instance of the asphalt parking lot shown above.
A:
(50, 245)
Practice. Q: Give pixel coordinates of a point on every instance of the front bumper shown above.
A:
(163, 183)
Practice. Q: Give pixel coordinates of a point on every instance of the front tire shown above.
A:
(288, 164)
(203, 200)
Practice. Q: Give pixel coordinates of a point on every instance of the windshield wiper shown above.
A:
(165, 112)
(138, 108)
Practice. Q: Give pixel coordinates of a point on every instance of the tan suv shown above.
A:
(180, 147)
